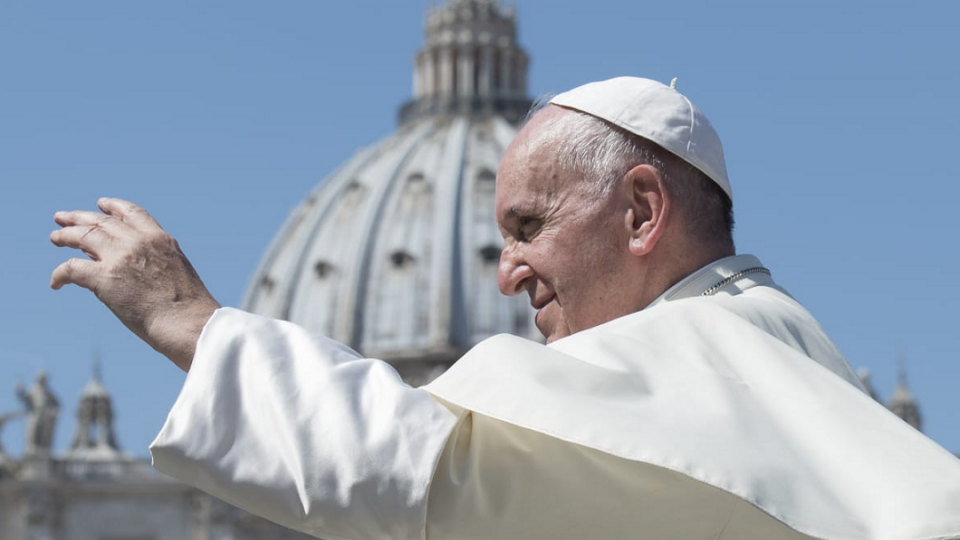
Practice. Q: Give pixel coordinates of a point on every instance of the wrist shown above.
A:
(177, 332)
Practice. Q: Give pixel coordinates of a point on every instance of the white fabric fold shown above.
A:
(303, 431)
(742, 392)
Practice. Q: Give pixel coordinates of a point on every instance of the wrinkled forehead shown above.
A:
(533, 157)
(542, 130)
(523, 181)
(531, 175)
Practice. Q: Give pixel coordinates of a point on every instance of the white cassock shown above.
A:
(727, 416)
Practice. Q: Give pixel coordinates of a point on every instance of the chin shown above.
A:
(553, 334)
(546, 333)
(551, 324)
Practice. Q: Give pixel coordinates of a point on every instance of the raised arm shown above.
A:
(138, 271)
(296, 428)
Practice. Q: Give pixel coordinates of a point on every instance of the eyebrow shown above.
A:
(518, 210)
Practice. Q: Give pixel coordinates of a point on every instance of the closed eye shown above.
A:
(527, 228)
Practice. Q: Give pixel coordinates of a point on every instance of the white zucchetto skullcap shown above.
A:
(658, 113)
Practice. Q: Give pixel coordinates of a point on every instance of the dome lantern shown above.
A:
(470, 63)
(396, 252)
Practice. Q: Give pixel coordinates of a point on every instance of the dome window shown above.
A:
(267, 283)
(353, 194)
(486, 175)
(322, 269)
(401, 259)
(490, 254)
(416, 184)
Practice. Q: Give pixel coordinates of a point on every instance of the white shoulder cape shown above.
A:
(741, 391)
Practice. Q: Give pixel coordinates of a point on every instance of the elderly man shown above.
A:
(682, 394)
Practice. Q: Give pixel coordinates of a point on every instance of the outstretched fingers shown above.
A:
(91, 239)
(79, 217)
(127, 211)
(77, 271)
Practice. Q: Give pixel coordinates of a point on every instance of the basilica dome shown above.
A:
(396, 252)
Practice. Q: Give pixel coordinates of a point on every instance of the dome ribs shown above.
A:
(396, 253)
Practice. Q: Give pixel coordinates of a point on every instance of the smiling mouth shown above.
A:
(539, 307)
(543, 303)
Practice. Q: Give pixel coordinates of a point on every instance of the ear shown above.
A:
(648, 208)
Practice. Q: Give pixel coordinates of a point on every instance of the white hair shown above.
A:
(601, 154)
(592, 148)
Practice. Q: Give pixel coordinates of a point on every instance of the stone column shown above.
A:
(429, 74)
(213, 519)
(446, 72)
(465, 61)
(506, 72)
(485, 84)
(522, 61)
(418, 75)
(41, 515)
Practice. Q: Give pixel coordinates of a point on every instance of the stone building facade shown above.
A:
(94, 491)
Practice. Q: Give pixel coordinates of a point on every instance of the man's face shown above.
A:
(563, 246)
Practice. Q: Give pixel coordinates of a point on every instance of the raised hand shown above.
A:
(139, 272)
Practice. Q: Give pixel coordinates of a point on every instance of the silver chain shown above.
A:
(728, 280)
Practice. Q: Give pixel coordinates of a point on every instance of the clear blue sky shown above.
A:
(841, 123)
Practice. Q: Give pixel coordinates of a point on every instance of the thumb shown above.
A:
(77, 271)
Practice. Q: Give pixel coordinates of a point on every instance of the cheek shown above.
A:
(586, 278)
(599, 254)
(599, 273)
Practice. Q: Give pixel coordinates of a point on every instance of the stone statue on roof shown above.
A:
(42, 408)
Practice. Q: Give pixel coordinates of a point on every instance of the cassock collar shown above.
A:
(715, 273)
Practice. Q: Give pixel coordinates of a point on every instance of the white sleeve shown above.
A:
(303, 431)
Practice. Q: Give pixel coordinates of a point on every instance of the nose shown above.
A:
(513, 272)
